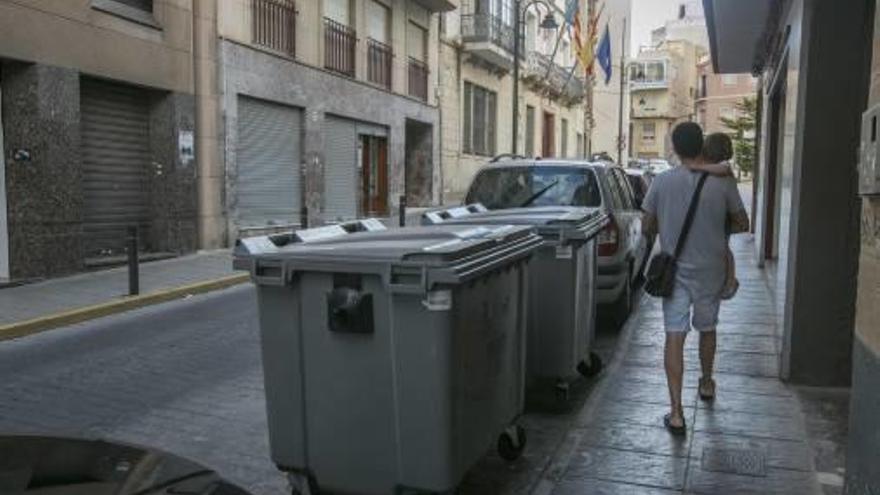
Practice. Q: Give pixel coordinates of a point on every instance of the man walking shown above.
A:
(696, 299)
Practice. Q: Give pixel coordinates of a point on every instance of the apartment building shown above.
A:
(719, 94)
(663, 89)
(476, 95)
(326, 109)
(96, 132)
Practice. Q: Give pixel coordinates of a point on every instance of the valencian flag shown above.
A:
(584, 45)
(604, 54)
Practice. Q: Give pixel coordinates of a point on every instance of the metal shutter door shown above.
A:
(268, 154)
(115, 134)
(340, 173)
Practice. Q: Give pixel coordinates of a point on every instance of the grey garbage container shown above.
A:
(562, 292)
(393, 360)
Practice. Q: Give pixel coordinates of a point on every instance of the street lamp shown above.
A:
(549, 23)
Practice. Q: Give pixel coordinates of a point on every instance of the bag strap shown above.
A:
(689, 219)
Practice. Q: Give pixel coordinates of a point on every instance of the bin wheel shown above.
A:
(302, 485)
(591, 367)
(511, 443)
(563, 392)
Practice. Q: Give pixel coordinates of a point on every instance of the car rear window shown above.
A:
(512, 187)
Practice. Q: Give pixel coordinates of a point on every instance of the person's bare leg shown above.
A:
(707, 362)
(673, 358)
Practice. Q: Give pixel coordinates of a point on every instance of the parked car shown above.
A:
(622, 248)
(639, 181)
(658, 165)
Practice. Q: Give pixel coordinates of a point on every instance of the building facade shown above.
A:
(816, 231)
(327, 110)
(476, 96)
(663, 92)
(96, 130)
(719, 94)
(689, 24)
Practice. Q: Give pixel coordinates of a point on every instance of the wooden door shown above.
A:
(374, 175)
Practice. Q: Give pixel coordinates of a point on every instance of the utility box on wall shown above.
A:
(869, 169)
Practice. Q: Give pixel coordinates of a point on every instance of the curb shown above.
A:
(127, 303)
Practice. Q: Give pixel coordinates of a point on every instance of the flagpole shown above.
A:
(622, 92)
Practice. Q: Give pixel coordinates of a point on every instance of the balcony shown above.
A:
(274, 25)
(488, 37)
(648, 74)
(379, 60)
(418, 79)
(339, 47)
(552, 80)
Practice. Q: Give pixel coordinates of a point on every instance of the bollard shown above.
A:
(304, 217)
(402, 211)
(133, 276)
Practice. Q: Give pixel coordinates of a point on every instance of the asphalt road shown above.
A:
(184, 377)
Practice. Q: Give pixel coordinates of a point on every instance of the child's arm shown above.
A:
(719, 169)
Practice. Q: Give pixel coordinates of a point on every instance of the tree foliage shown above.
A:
(742, 128)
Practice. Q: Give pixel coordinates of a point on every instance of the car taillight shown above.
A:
(609, 239)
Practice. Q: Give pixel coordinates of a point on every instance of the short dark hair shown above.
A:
(717, 148)
(687, 140)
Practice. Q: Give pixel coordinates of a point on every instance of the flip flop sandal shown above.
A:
(675, 430)
(704, 387)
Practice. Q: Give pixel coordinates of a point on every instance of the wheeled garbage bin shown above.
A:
(393, 360)
(562, 292)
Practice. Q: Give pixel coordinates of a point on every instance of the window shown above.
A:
(682, 11)
(337, 10)
(530, 130)
(653, 71)
(145, 5)
(566, 53)
(649, 130)
(416, 42)
(727, 112)
(378, 17)
(729, 79)
(564, 144)
(579, 153)
(531, 32)
(703, 86)
(508, 187)
(480, 106)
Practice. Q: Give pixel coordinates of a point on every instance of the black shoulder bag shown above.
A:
(660, 279)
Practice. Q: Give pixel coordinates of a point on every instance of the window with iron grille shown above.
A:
(480, 107)
(275, 25)
(379, 52)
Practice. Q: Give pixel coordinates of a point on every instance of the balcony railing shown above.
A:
(339, 47)
(274, 25)
(487, 28)
(543, 74)
(379, 60)
(418, 79)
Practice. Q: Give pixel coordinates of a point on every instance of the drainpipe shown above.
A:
(210, 176)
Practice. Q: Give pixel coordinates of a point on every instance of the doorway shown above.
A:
(548, 136)
(4, 228)
(775, 156)
(374, 175)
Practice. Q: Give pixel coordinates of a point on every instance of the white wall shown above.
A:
(606, 99)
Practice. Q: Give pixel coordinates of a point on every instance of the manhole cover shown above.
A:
(748, 462)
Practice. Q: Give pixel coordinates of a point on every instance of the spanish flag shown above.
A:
(586, 48)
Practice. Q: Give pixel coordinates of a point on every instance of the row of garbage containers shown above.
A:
(394, 358)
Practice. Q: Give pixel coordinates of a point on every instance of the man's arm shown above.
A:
(737, 218)
(717, 169)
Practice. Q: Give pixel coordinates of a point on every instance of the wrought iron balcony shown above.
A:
(489, 37)
(274, 25)
(557, 82)
(418, 79)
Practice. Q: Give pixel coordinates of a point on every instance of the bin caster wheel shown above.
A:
(591, 367)
(511, 443)
(301, 485)
(563, 392)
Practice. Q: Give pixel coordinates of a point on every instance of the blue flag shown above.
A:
(604, 54)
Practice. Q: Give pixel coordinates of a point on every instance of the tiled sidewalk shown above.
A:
(752, 439)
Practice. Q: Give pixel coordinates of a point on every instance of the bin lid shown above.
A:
(552, 222)
(452, 253)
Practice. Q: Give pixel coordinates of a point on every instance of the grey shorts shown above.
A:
(682, 310)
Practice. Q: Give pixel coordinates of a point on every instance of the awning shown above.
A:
(736, 31)
(436, 5)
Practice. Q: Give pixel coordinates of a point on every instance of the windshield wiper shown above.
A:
(538, 194)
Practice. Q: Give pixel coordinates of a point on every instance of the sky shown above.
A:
(648, 15)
